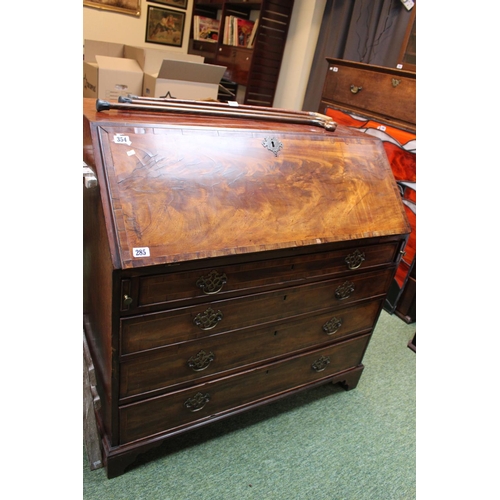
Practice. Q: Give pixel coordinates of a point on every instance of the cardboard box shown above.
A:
(184, 80)
(113, 77)
(107, 74)
(150, 59)
(114, 69)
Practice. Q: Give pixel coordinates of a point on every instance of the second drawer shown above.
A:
(148, 331)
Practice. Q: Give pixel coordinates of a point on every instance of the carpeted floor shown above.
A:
(322, 444)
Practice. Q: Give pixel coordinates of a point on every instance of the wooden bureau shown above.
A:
(228, 261)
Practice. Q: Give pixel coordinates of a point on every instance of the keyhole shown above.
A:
(284, 298)
(272, 143)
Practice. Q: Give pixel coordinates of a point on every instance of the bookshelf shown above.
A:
(253, 62)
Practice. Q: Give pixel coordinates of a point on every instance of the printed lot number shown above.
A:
(140, 252)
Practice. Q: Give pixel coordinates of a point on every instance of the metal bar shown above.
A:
(201, 108)
(243, 107)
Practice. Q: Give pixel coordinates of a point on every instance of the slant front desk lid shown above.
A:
(178, 187)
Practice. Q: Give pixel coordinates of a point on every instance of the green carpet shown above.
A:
(321, 444)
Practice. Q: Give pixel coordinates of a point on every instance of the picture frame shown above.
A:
(130, 7)
(165, 26)
(180, 4)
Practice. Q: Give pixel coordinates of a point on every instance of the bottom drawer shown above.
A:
(166, 413)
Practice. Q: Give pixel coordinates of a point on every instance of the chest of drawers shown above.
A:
(382, 102)
(228, 261)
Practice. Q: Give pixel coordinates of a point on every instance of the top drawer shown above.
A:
(372, 90)
(246, 277)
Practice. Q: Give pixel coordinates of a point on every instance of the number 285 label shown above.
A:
(140, 252)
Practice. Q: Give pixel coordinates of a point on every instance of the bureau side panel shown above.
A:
(97, 292)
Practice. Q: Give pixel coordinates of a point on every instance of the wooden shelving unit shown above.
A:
(407, 59)
(256, 69)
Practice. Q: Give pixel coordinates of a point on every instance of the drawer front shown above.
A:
(245, 277)
(372, 92)
(189, 323)
(203, 48)
(196, 360)
(237, 61)
(164, 413)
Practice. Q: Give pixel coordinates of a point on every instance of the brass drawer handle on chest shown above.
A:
(344, 291)
(355, 89)
(332, 326)
(208, 319)
(127, 300)
(320, 364)
(197, 402)
(355, 259)
(201, 361)
(212, 283)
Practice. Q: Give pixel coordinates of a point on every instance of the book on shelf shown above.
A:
(242, 30)
(251, 39)
(238, 31)
(206, 28)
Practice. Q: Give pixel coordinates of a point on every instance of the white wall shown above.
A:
(299, 53)
(302, 36)
(110, 26)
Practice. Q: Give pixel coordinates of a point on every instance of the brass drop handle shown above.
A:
(212, 283)
(355, 259)
(344, 291)
(320, 364)
(197, 402)
(208, 319)
(355, 89)
(127, 300)
(201, 361)
(332, 326)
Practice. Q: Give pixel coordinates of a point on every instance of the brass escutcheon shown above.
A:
(272, 144)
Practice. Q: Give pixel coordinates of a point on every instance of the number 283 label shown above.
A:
(140, 252)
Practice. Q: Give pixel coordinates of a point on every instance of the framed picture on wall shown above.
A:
(165, 26)
(131, 7)
(181, 4)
